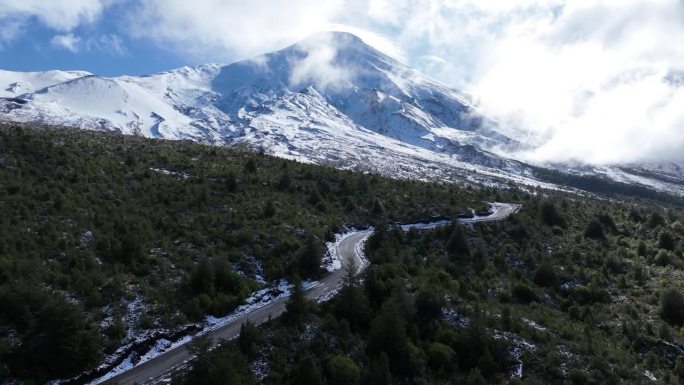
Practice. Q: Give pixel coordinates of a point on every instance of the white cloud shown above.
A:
(583, 79)
(318, 65)
(588, 81)
(61, 15)
(68, 41)
(111, 44)
(230, 29)
(9, 31)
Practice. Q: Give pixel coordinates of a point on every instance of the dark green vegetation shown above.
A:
(580, 291)
(94, 224)
(103, 233)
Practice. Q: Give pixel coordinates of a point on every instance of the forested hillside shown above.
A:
(569, 291)
(106, 238)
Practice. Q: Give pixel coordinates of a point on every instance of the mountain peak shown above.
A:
(345, 44)
(332, 36)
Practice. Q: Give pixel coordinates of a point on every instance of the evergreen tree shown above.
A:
(308, 372)
(230, 183)
(379, 371)
(457, 245)
(378, 208)
(351, 303)
(666, 240)
(249, 339)
(251, 166)
(594, 230)
(475, 378)
(342, 371)
(672, 307)
(297, 305)
(315, 196)
(285, 182)
(388, 335)
(550, 215)
(545, 275)
(310, 258)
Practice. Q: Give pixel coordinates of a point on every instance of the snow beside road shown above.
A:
(331, 260)
(255, 301)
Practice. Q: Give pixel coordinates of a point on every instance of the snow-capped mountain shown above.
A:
(329, 99)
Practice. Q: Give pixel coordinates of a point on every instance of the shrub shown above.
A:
(458, 242)
(550, 215)
(440, 356)
(672, 307)
(523, 293)
(664, 258)
(656, 219)
(608, 222)
(666, 241)
(545, 275)
(594, 230)
(343, 371)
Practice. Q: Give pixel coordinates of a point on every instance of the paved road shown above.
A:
(501, 211)
(349, 250)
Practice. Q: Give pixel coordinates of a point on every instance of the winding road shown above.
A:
(349, 249)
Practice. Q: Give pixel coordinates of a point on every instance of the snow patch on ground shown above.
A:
(648, 374)
(162, 171)
(534, 325)
(425, 226)
(455, 318)
(519, 345)
(331, 259)
(257, 300)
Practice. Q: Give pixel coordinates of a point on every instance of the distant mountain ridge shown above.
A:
(329, 99)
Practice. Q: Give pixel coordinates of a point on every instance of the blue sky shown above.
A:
(103, 48)
(35, 51)
(563, 70)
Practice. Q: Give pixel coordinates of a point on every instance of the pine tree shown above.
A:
(475, 377)
(297, 305)
(308, 372)
(594, 230)
(310, 258)
(379, 371)
(249, 338)
(351, 303)
(457, 245)
(342, 371)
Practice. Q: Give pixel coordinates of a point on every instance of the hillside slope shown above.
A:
(329, 99)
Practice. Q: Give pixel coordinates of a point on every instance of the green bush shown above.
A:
(523, 293)
(594, 230)
(545, 275)
(672, 307)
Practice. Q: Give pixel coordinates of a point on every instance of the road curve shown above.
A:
(349, 250)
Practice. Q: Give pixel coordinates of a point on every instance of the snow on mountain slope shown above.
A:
(304, 127)
(373, 90)
(13, 84)
(110, 104)
(329, 99)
